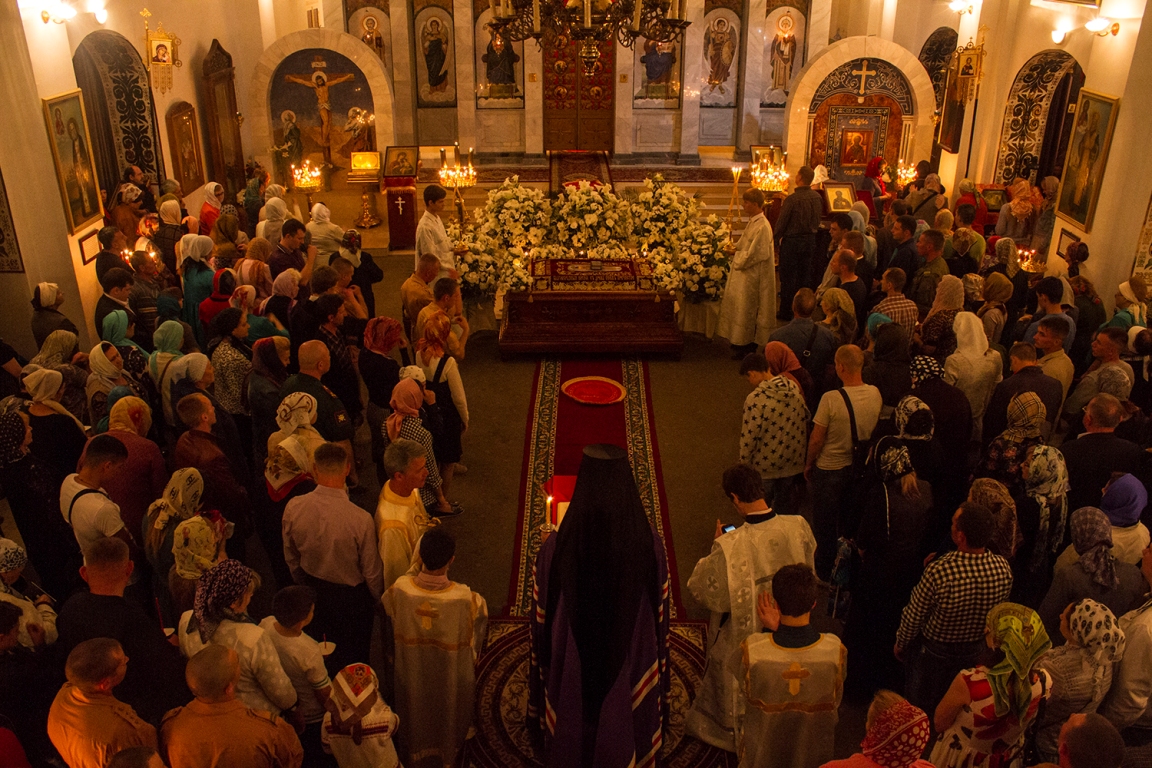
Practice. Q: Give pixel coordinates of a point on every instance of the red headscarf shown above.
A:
(407, 397)
(435, 340)
(382, 335)
(897, 736)
(782, 361)
(873, 171)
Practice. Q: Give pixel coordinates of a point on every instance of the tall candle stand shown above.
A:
(457, 177)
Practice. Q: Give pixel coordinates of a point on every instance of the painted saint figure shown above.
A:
(81, 170)
(783, 53)
(500, 65)
(720, 47)
(855, 153)
(434, 43)
(320, 83)
(1087, 151)
(372, 37)
(658, 60)
(291, 152)
(161, 54)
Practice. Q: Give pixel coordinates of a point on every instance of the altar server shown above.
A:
(749, 303)
(438, 626)
(726, 583)
(431, 237)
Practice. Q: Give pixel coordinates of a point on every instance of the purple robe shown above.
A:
(631, 725)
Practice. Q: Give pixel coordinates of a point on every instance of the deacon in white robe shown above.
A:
(438, 629)
(400, 516)
(727, 581)
(792, 697)
(749, 304)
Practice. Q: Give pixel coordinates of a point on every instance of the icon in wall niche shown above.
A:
(75, 163)
(783, 53)
(1087, 158)
(163, 54)
(721, 37)
(436, 59)
(499, 67)
(373, 27)
(657, 75)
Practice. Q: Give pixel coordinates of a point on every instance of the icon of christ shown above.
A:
(320, 82)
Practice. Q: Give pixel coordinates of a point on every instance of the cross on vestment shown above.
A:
(864, 73)
(426, 613)
(794, 675)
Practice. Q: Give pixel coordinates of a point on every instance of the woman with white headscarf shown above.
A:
(194, 253)
(37, 620)
(169, 233)
(195, 367)
(46, 314)
(107, 372)
(58, 437)
(210, 210)
(275, 213)
(326, 236)
(57, 353)
(1131, 310)
(974, 368)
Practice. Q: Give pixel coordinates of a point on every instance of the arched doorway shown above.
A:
(121, 113)
(1037, 123)
(936, 56)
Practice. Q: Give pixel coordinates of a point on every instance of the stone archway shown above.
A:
(918, 144)
(348, 45)
(1022, 134)
(121, 111)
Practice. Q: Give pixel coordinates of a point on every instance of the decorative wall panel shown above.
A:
(1022, 135)
(936, 55)
(865, 77)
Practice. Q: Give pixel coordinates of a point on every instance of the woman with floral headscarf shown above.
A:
(1097, 575)
(984, 717)
(358, 727)
(890, 539)
(38, 619)
(442, 374)
(1081, 669)
(1010, 449)
(198, 545)
(839, 314)
(896, 735)
(213, 201)
(179, 501)
(220, 615)
(57, 353)
(1123, 503)
(230, 241)
(1017, 219)
(993, 496)
(107, 372)
(1042, 514)
(32, 490)
(407, 400)
(252, 268)
(973, 368)
(284, 291)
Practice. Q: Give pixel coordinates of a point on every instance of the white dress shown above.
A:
(749, 304)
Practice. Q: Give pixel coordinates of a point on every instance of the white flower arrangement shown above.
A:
(704, 261)
(589, 218)
(515, 269)
(477, 261)
(666, 269)
(663, 215)
(515, 215)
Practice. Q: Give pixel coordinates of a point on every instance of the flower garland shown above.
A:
(705, 261)
(593, 220)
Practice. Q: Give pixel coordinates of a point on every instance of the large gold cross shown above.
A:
(426, 613)
(794, 675)
(864, 73)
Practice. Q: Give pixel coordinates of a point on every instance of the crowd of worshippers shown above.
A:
(216, 418)
(954, 445)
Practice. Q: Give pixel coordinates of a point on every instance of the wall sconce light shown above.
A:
(1103, 27)
(1058, 35)
(57, 11)
(961, 7)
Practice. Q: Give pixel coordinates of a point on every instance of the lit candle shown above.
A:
(587, 14)
(443, 158)
(456, 153)
(535, 15)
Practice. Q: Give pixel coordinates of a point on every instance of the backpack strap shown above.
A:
(851, 414)
(76, 498)
(440, 368)
(811, 340)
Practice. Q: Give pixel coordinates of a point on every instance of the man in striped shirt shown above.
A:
(942, 628)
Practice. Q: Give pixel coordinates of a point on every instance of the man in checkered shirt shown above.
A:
(942, 628)
(901, 309)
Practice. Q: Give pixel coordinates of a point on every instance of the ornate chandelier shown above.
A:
(589, 21)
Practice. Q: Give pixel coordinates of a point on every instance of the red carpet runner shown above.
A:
(558, 429)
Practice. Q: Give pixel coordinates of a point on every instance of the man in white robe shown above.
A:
(749, 303)
(438, 629)
(431, 237)
(792, 679)
(727, 581)
(400, 516)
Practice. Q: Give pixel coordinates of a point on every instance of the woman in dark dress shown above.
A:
(889, 539)
(1042, 514)
(269, 372)
(888, 369)
(57, 437)
(381, 373)
(937, 338)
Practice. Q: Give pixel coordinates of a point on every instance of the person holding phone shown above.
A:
(741, 563)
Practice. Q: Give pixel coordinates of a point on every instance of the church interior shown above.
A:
(364, 105)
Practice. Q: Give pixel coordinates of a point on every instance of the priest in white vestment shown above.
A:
(438, 629)
(727, 581)
(792, 679)
(400, 516)
(749, 304)
(431, 236)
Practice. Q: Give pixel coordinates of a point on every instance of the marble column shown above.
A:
(533, 98)
(625, 66)
(465, 73)
(267, 22)
(403, 73)
(819, 27)
(693, 82)
(748, 105)
(332, 15)
(48, 252)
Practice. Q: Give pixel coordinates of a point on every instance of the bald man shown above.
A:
(217, 730)
(332, 419)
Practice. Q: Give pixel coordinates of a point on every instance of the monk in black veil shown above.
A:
(600, 625)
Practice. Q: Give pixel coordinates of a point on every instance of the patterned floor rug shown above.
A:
(502, 738)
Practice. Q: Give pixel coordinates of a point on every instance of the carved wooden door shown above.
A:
(223, 121)
(579, 109)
